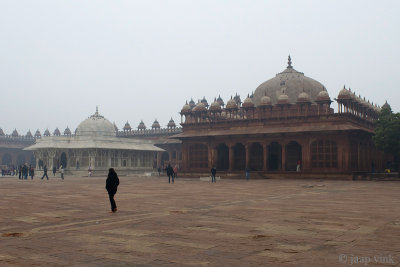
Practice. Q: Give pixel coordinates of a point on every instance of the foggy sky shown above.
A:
(141, 60)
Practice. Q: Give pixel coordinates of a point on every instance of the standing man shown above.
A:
(54, 171)
(45, 173)
(19, 172)
(213, 173)
(170, 173)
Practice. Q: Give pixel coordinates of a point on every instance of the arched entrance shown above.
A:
(63, 160)
(6, 160)
(256, 157)
(239, 156)
(274, 156)
(293, 154)
(222, 157)
(21, 159)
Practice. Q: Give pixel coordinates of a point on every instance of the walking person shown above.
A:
(176, 171)
(247, 172)
(213, 173)
(62, 172)
(54, 171)
(31, 171)
(45, 173)
(112, 183)
(170, 173)
(25, 172)
(159, 171)
(298, 166)
(19, 172)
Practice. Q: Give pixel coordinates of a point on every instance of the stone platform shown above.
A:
(274, 222)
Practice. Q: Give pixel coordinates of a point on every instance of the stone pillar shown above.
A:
(159, 155)
(284, 156)
(92, 158)
(265, 160)
(52, 154)
(231, 161)
(247, 149)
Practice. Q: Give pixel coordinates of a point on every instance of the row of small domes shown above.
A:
(155, 125)
(348, 95)
(234, 102)
(67, 131)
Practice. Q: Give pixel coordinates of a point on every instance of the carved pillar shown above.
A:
(159, 156)
(92, 158)
(231, 157)
(51, 155)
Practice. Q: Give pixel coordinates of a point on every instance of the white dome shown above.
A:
(96, 125)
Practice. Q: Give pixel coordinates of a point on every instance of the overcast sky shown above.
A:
(141, 60)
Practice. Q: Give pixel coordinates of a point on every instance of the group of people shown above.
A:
(24, 171)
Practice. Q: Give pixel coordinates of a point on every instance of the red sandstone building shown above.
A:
(288, 120)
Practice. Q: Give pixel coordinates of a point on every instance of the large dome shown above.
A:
(289, 82)
(96, 125)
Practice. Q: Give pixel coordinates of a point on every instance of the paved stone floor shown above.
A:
(195, 223)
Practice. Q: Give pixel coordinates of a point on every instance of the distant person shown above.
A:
(54, 171)
(62, 172)
(45, 172)
(112, 183)
(247, 173)
(298, 166)
(25, 172)
(176, 171)
(170, 173)
(77, 164)
(90, 171)
(19, 172)
(213, 173)
(31, 171)
(159, 171)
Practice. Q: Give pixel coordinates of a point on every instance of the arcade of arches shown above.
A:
(323, 153)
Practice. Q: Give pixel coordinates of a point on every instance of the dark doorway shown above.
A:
(63, 160)
(6, 160)
(222, 157)
(293, 155)
(21, 159)
(239, 156)
(164, 158)
(256, 157)
(274, 156)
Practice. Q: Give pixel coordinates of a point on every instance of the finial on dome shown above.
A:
(97, 110)
(289, 63)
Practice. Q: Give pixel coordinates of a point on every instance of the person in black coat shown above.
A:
(112, 183)
(213, 173)
(170, 173)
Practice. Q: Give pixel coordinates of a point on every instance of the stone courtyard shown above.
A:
(274, 222)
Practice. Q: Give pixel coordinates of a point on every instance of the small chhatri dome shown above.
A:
(156, 124)
(200, 107)
(186, 108)
(265, 101)
(204, 101)
(386, 106)
(323, 95)
(29, 134)
(67, 131)
(15, 133)
(38, 134)
(231, 104)
(141, 126)
(1, 132)
(192, 104)
(283, 99)
(344, 93)
(215, 106)
(57, 132)
(46, 133)
(220, 101)
(171, 123)
(237, 99)
(127, 126)
(303, 97)
(248, 103)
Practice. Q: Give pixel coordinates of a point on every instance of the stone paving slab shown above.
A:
(274, 222)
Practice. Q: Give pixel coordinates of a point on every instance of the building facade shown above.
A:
(288, 121)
